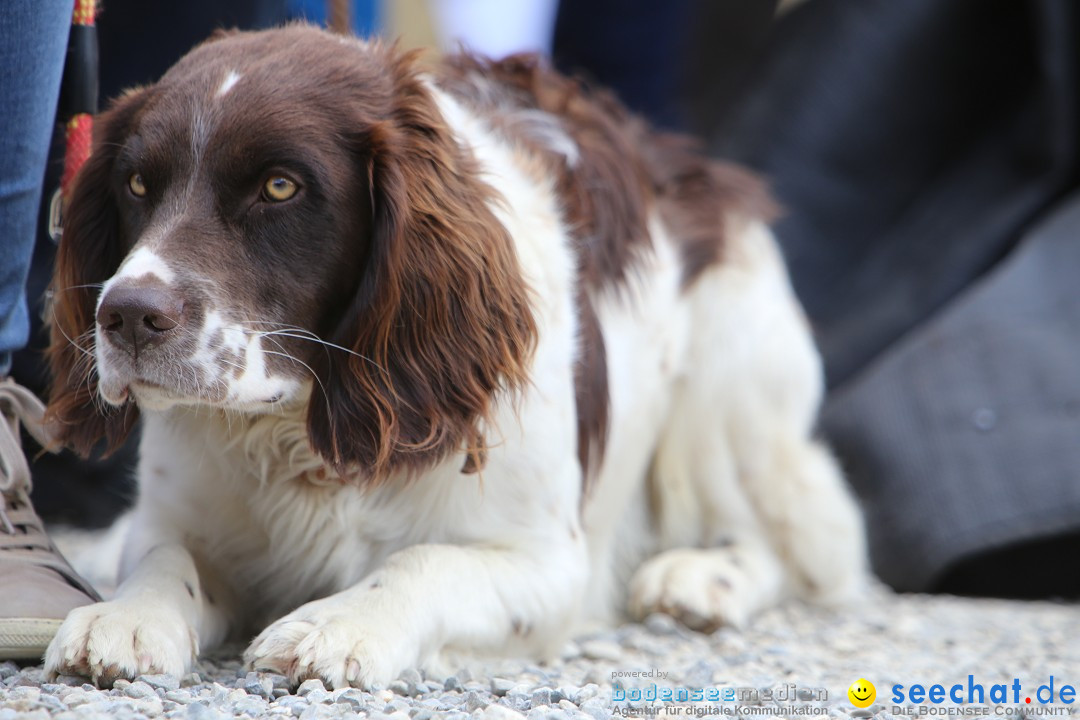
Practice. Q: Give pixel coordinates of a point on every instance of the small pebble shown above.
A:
(160, 682)
(396, 705)
(353, 698)
(318, 712)
(179, 697)
(198, 711)
(596, 708)
(473, 701)
(28, 693)
(257, 684)
(294, 705)
(501, 686)
(317, 697)
(500, 712)
(661, 624)
(190, 680)
(308, 686)
(249, 705)
(518, 699)
(276, 681)
(541, 696)
(586, 693)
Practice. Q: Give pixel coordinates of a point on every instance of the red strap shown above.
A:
(85, 11)
(77, 135)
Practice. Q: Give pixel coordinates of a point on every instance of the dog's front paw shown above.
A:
(339, 645)
(111, 640)
(702, 588)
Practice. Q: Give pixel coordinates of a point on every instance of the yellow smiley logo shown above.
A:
(862, 693)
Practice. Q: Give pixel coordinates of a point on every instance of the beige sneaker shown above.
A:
(37, 586)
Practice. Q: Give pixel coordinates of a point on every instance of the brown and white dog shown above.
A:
(428, 359)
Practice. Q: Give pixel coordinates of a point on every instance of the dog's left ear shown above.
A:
(91, 249)
(440, 320)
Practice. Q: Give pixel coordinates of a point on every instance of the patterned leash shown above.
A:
(78, 103)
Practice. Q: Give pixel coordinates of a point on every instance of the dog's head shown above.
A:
(283, 219)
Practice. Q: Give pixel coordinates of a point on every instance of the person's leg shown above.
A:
(33, 40)
(37, 587)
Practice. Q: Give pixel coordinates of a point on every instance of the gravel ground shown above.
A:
(798, 651)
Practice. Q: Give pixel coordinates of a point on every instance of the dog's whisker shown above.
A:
(73, 341)
(96, 286)
(315, 339)
(303, 364)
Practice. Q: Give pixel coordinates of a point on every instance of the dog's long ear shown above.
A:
(91, 249)
(440, 320)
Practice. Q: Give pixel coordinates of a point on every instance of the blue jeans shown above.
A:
(33, 41)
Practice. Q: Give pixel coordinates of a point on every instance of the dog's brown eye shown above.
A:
(137, 186)
(279, 188)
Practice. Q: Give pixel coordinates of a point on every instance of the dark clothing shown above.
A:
(923, 151)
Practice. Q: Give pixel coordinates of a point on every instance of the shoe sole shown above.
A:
(26, 638)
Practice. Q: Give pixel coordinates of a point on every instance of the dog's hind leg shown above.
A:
(748, 507)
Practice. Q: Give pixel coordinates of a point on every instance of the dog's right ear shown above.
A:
(91, 249)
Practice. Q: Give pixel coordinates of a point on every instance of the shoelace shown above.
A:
(22, 533)
(17, 404)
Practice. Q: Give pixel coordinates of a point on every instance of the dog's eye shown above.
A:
(136, 185)
(279, 189)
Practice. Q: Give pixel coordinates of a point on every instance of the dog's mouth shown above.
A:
(157, 380)
(151, 394)
(193, 388)
(146, 392)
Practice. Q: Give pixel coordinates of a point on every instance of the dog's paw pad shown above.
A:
(341, 649)
(703, 589)
(113, 640)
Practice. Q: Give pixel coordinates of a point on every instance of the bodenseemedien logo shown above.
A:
(660, 700)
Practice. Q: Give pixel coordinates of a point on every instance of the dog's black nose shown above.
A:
(135, 317)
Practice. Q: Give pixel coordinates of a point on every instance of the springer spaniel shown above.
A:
(430, 359)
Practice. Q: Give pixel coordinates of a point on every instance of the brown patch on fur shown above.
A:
(699, 198)
(591, 390)
(605, 194)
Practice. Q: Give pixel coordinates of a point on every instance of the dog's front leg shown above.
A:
(153, 625)
(426, 598)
